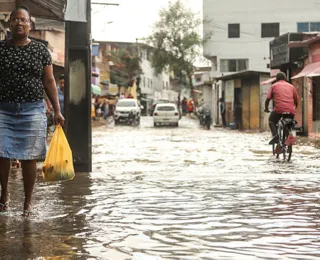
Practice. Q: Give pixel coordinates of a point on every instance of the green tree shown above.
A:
(126, 67)
(177, 42)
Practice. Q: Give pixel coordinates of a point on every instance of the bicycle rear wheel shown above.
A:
(289, 153)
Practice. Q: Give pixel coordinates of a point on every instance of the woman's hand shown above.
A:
(59, 119)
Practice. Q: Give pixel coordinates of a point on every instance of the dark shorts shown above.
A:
(275, 117)
(23, 129)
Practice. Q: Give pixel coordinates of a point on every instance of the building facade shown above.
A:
(241, 30)
(308, 80)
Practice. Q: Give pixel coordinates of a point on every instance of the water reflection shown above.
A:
(171, 193)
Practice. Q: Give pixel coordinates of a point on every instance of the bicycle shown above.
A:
(286, 139)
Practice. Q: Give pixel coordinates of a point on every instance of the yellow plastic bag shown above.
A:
(58, 165)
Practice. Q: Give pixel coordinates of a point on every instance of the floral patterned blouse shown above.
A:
(21, 71)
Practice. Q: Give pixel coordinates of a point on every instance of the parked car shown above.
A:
(127, 111)
(158, 101)
(166, 113)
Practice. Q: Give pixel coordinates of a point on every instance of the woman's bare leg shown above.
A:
(29, 173)
(4, 177)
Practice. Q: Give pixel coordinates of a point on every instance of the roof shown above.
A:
(310, 70)
(304, 43)
(140, 44)
(50, 9)
(243, 74)
(49, 25)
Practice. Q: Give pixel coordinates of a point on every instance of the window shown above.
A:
(198, 79)
(242, 65)
(308, 27)
(314, 27)
(166, 108)
(234, 30)
(270, 30)
(126, 103)
(303, 27)
(234, 65)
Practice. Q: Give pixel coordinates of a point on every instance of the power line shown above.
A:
(105, 4)
(259, 10)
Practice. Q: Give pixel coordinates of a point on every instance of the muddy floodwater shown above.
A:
(173, 193)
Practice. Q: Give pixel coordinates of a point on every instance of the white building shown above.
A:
(241, 30)
(240, 33)
(154, 86)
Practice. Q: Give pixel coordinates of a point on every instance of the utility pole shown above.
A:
(78, 84)
(138, 81)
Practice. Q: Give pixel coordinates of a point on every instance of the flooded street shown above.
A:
(173, 193)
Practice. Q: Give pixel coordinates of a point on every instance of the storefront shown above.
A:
(242, 98)
(310, 76)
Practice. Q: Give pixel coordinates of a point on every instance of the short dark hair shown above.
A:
(20, 7)
(221, 99)
(61, 77)
(281, 76)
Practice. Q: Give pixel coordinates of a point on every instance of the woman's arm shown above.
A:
(50, 88)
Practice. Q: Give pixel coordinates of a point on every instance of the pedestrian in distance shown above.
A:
(184, 106)
(223, 112)
(61, 93)
(25, 74)
(105, 109)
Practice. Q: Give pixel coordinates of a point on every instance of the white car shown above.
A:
(166, 113)
(124, 107)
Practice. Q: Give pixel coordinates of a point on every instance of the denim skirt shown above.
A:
(23, 128)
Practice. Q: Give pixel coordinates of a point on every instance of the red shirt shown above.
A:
(284, 96)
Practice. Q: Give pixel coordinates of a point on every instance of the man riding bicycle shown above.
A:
(285, 99)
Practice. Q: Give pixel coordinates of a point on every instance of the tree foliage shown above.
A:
(126, 66)
(177, 41)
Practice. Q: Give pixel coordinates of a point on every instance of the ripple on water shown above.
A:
(175, 193)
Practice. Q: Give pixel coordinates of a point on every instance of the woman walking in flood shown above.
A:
(25, 73)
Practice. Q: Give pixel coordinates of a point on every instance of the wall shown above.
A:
(102, 63)
(250, 14)
(208, 96)
(56, 39)
(229, 99)
(298, 84)
(264, 117)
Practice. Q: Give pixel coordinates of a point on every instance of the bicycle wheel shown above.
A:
(289, 153)
(273, 149)
(282, 139)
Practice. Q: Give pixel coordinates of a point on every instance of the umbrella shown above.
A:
(95, 89)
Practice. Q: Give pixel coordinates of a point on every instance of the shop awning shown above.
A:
(311, 70)
(95, 89)
(268, 81)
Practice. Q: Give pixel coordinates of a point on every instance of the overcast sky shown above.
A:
(131, 19)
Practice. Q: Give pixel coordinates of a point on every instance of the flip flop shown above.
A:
(4, 206)
(26, 213)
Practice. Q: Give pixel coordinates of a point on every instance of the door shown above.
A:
(238, 107)
(250, 103)
(254, 106)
